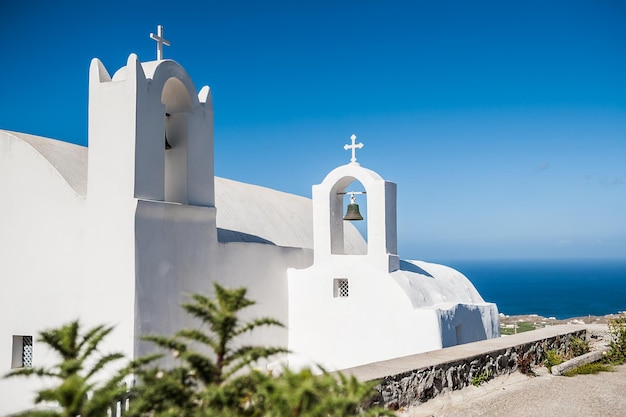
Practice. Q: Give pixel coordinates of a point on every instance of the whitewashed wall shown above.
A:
(125, 244)
(126, 240)
(375, 322)
(42, 248)
(393, 308)
(177, 255)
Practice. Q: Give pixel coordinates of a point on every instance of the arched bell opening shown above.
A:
(178, 105)
(348, 212)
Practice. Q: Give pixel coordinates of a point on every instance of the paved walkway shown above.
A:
(545, 395)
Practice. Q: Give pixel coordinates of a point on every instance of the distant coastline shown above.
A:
(565, 289)
(525, 322)
(554, 321)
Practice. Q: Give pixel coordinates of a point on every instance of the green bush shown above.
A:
(552, 359)
(211, 378)
(617, 352)
(289, 394)
(579, 346)
(482, 378)
(589, 368)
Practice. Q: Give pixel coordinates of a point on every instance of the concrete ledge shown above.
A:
(410, 380)
(577, 361)
(378, 370)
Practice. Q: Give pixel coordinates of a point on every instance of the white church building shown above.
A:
(123, 231)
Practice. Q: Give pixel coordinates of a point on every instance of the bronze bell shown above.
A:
(353, 213)
(353, 210)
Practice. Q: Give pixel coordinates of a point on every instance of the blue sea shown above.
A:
(549, 288)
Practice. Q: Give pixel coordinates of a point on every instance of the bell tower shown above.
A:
(133, 117)
(328, 220)
(150, 197)
(335, 304)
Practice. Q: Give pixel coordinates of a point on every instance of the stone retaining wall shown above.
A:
(415, 386)
(578, 361)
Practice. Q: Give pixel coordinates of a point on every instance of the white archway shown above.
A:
(328, 227)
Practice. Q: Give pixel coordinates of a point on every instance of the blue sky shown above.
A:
(503, 123)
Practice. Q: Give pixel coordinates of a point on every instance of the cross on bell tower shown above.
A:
(160, 40)
(354, 147)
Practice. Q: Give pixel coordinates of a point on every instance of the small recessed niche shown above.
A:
(22, 352)
(340, 288)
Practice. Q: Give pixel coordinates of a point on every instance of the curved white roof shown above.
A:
(245, 212)
(67, 159)
(427, 284)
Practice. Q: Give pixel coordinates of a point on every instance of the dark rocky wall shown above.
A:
(420, 385)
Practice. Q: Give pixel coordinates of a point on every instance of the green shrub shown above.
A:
(617, 352)
(292, 393)
(214, 376)
(552, 359)
(482, 378)
(579, 346)
(589, 368)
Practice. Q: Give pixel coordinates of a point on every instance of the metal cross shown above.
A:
(354, 146)
(160, 42)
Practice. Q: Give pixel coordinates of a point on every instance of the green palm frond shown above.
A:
(102, 362)
(220, 315)
(136, 364)
(253, 324)
(197, 336)
(246, 356)
(92, 339)
(70, 366)
(49, 395)
(205, 368)
(102, 399)
(31, 371)
(202, 313)
(202, 308)
(232, 299)
(164, 393)
(166, 342)
(56, 340)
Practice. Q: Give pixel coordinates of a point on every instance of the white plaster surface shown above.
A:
(385, 315)
(393, 308)
(279, 218)
(42, 239)
(121, 233)
(427, 284)
(69, 160)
